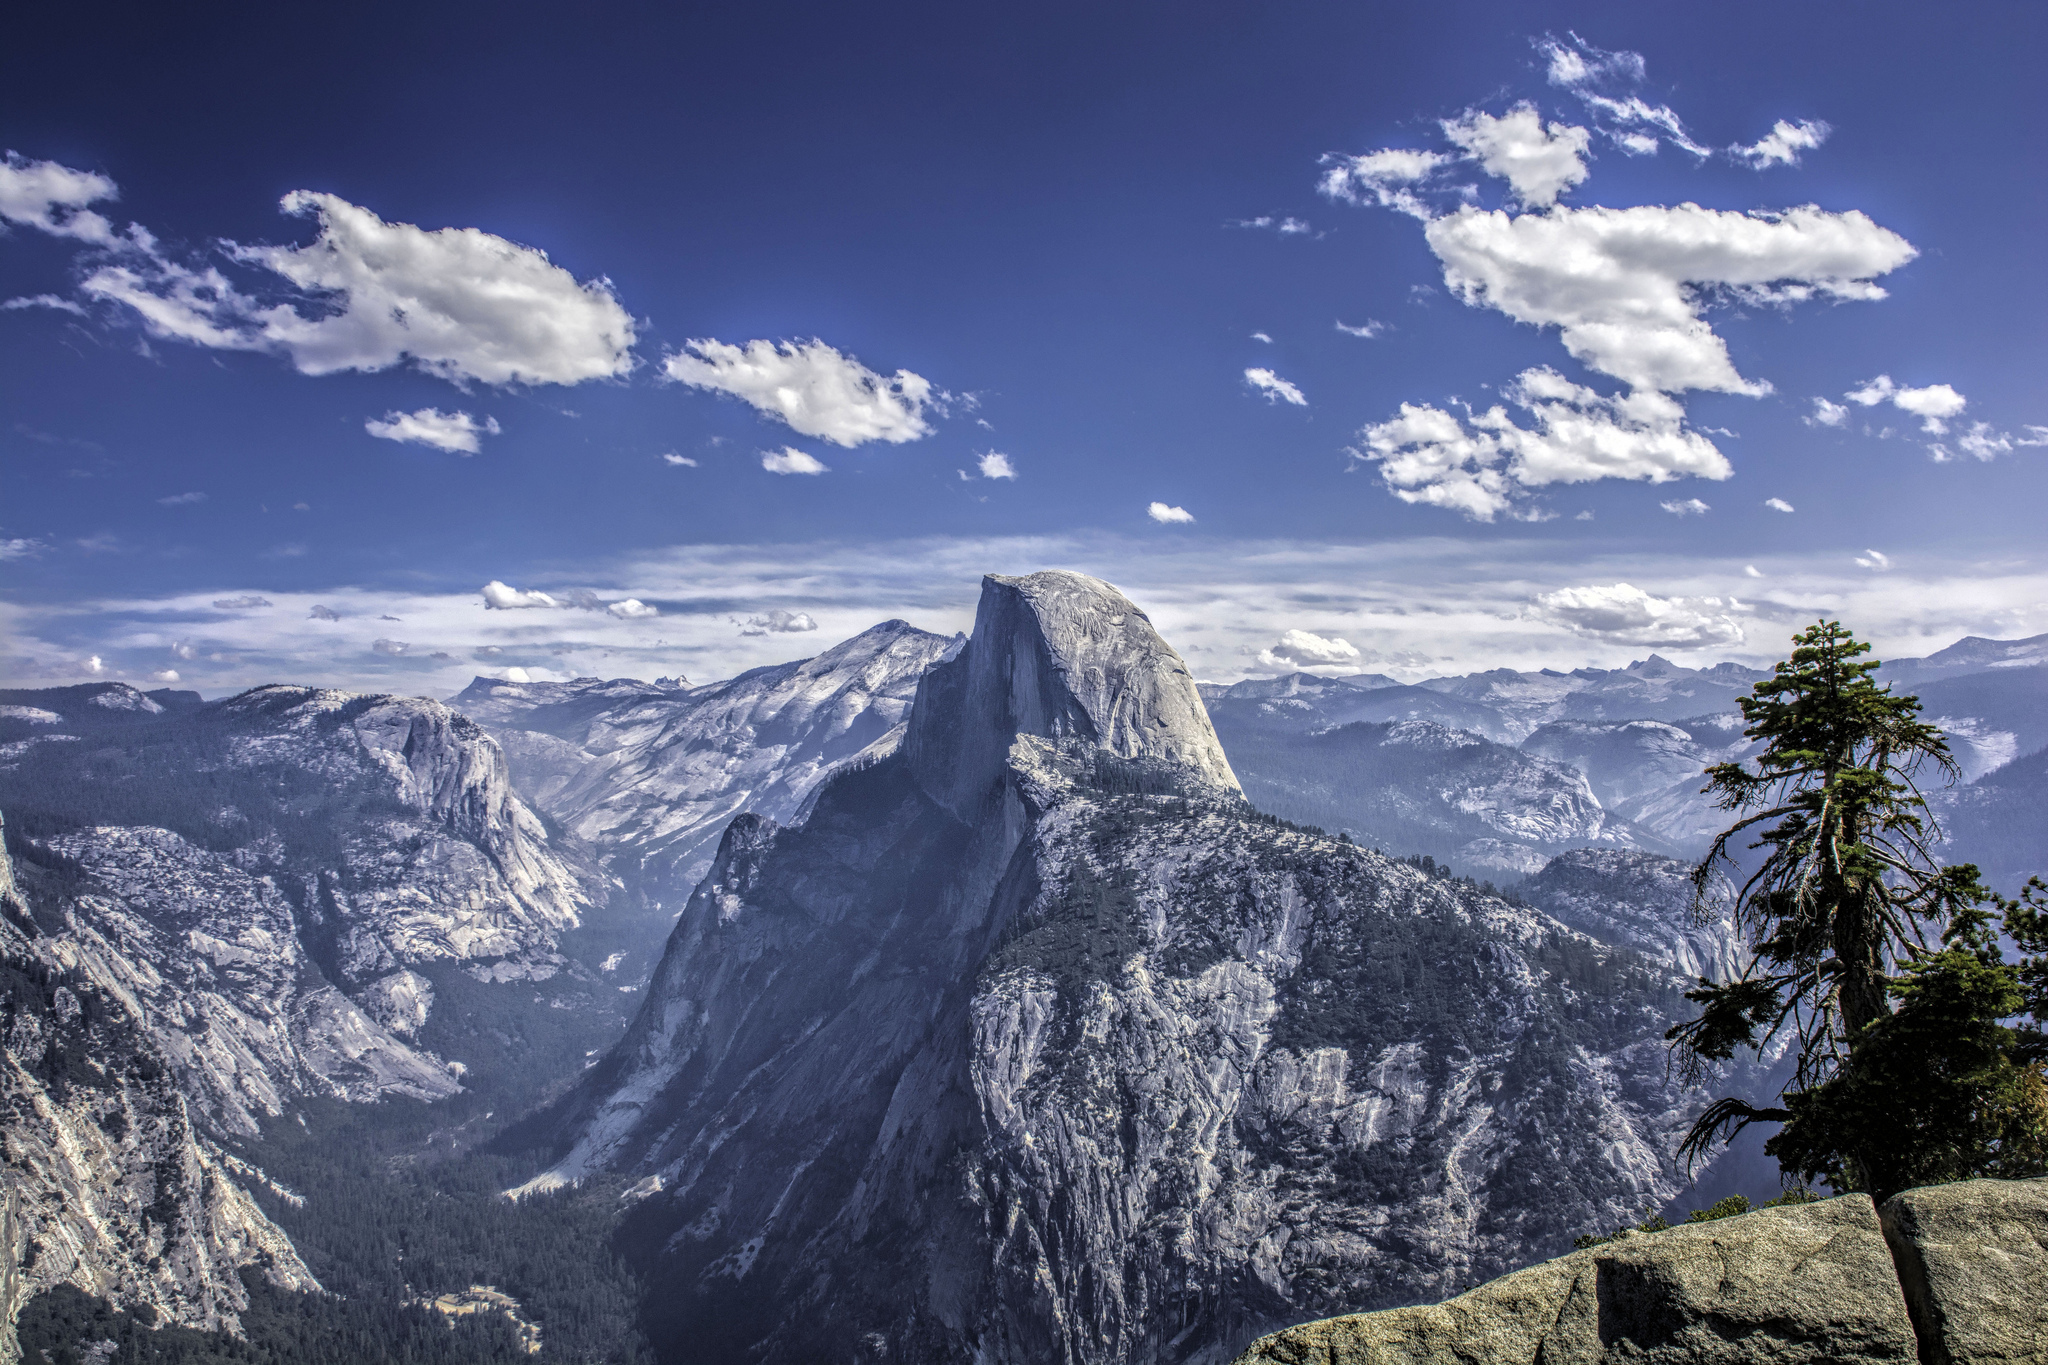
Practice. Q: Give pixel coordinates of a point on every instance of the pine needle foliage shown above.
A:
(1906, 1072)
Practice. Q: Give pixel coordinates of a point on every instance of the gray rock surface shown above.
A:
(108, 1184)
(1973, 1259)
(649, 774)
(1034, 1042)
(1808, 1283)
(1643, 901)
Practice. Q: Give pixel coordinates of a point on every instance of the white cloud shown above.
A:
(247, 602)
(1481, 463)
(682, 460)
(1164, 512)
(1691, 507)
(321, 613)
(1826, 414)
(1783, 144)
(1274, 387)
(1624, 614)
(391, 647)
(1538, 162)
(1933, 405)
(1262, 337)
(1752, 571)
(454, 431)
(1876, 559)
(1623, 119)
(1778, 504)
(1304, 649)
(94, 665)
(516, 674)
(184, 649)
(632, 609)
(1627, 287)
(778, 622)
(50, 301)
(499, 597)
(53, 198)
(1286, 227)
(165, 675)
(810, 386)
(1579, 63)
(1387, 177)
(20, 547)
(996, 466)
(790, 460)
(1371, 329)
(460, 303)
(181, 499)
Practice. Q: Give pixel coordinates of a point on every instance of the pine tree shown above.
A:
(1837, 914)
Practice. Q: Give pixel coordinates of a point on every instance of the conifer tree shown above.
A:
(1837, 914)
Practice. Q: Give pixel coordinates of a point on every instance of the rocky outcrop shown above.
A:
(108, 1184)
(1973, 1259)
(649, 774)
(1033, 1041)
(1806, 1283)
(1642, 901)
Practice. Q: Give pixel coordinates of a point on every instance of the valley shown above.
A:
(1012, 995)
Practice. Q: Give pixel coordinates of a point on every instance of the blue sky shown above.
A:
(805, 270)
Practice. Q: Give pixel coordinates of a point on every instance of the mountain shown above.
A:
(1031, 1040)
(649, 774)
(1650, 772)
(108, 1185)
(1648, 689)
(1996, 822)
(1971, 654)
(1304, 703)
(1417, 787)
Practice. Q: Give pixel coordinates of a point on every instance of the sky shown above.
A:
(387, 347)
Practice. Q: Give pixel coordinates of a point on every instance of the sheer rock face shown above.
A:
(650, 774)
(107, 1183)
(1059, 656)
(1642, 901)
(1033, 1042)
(1810, 1283)
(1973, 1260)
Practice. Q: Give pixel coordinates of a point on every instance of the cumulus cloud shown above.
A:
(790, 460)
(1371, 329)
(459, 303)
(392, 647)
(1627, 287)
(1274, 387)
(811, 387)
(247, 602)
(1933, 405)
(682, 460)
(1778, 504)
(93, 665)
(1479, 464)
(181, 499)
(321, 613)
(1307, 650)
(1783, 144)
(452, 431)
(165, 675)
(1538, 161)
(1621, 613)
(499, 597)
(1826, 414)
(1690, 507)
(632, 609)
(778, 622)
(184, 649)
(996, 466)
(515, 674)
(1164, 512)
(53, 198)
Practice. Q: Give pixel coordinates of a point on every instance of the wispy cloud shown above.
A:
(790, 460)
(457, 432)
(1274, 387)
(811, 387)
(1169, 514)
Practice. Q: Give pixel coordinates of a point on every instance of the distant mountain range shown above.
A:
(1013, 997)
